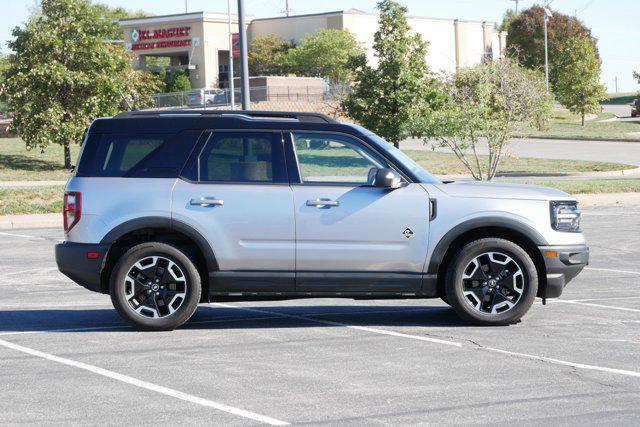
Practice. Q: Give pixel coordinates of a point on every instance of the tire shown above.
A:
(491, 282)
(170, 295)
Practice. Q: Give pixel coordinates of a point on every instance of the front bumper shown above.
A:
(73, 262)
(563, 263)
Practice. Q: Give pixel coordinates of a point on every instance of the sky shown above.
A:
(615, 23)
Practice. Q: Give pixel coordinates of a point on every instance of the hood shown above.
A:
(500, 190)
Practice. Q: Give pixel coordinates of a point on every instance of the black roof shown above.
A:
(241, 114)
(162, 121)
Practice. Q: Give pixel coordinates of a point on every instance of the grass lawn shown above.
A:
(566, 125)
(31, 200)
(620, 98)
(591, 185)
(18, 164)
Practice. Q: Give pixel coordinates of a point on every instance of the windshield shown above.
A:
(423, 176)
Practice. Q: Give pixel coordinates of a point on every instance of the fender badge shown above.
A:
(407, 233)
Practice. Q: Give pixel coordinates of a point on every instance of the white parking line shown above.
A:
(146, 385)
(564, 362)
(439, 341)
(22, 235)
(346, 325)
(611, 307)
(613, 270)
(30, 270)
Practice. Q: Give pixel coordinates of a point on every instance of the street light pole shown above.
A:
(547, 15)
(244, 62)
(230, 72)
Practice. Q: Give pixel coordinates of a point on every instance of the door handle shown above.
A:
(321, 203)
(207, 202)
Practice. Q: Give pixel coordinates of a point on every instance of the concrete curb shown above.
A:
(594, 175)
(576, 138)
(30, 184)
(14, 222)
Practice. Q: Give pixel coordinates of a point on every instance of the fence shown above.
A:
(269, 98)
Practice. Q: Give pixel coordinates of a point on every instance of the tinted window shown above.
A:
(324, 158)
(136, 155)
(241, 157)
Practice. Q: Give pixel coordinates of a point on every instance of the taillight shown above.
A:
(71, 209)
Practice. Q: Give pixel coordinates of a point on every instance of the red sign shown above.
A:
(235, 45)
(144, 39)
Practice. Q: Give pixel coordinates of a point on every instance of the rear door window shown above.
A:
(240, 157)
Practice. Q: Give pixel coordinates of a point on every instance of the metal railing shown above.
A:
(266, 95)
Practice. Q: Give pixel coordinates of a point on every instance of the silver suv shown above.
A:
(169, 209)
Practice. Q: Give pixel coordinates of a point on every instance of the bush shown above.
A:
(487, 103)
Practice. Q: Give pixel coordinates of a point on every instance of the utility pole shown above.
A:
(616, 79)
(186, 6)
(547, 15)
(230, 72)
(286, 7)
(244, 62)
(516, 2)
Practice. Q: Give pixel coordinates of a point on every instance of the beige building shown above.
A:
(199, 42)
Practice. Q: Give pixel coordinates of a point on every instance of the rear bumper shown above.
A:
(74, 263)
(563, 267)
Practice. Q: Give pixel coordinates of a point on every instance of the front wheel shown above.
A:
(491, 282)
(155, 287)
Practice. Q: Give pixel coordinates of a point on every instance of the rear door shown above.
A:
(235, 191)
(351, 236)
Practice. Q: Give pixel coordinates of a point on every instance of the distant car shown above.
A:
(206, 97)
(635, 108)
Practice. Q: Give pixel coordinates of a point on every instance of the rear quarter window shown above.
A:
(136, 155)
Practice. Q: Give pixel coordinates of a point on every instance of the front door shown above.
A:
(351, 236)
(236, 192)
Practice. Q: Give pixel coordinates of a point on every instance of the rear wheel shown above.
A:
(491, 282)
(155, 287)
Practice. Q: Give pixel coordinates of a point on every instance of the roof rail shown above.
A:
(241, 114)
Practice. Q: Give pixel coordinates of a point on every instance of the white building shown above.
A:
(199, 42)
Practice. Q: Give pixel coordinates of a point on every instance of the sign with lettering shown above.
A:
(235, 45)
(145, 39)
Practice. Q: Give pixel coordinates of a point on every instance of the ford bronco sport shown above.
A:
(169, 209)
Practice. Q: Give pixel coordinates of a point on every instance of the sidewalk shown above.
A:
(24, 184)
(12, 222)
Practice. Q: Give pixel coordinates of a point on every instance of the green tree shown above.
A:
(325, 54)
(487, 104)
(264, 55)
(64, 73)
(4, 64)
(507, 18)
(390, 98)
(177, 81)
(578, 85)
(112, 15)
(525, 39)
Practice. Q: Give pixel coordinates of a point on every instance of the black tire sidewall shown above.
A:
(135, 254)
(471, 250)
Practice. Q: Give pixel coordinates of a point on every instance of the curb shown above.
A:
(31, 184)
(575, 138)
(14, 222)
(594, 175)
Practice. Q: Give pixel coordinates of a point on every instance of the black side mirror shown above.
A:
(387, 178)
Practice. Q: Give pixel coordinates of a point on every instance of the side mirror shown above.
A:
(387, 178)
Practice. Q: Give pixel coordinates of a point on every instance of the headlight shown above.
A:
(565, 216)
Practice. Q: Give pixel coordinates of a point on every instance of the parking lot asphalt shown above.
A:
(66, 357)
